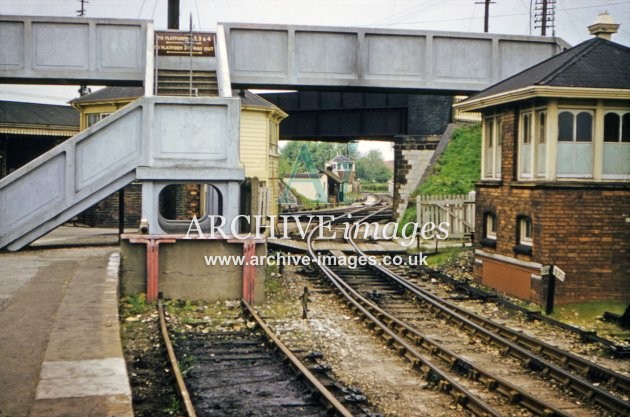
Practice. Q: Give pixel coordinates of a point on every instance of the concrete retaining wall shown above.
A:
(184, 273)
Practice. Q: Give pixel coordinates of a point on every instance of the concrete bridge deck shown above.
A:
(319, 57)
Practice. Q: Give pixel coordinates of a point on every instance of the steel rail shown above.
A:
(616, 350)
(334, 210)
(181, 385)
(331, 401)
(457, 363)
(589, 370)
(528, 359)
(447, 384)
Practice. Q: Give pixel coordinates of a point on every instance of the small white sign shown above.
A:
(558, 273)
(545, 270)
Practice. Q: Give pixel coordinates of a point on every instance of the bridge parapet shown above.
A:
(76, 50)
(291, 56)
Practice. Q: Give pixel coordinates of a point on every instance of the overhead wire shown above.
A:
(198, 17)
(384, 23)
(576, 31)
(154, 8)
(141, 7)
(24, 94)
(472, 18)
(403, 13)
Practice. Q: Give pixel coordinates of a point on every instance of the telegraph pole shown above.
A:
(173, 14)
(82, 11)
(544, 16)
(83, 89)
(486, 16)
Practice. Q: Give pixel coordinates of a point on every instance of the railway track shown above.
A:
(250, 372)
(390, 305)
(589, 370)
(585, 336)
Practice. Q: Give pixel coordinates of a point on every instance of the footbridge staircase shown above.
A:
(154, 139)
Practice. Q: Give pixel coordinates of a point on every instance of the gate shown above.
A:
(458, 210)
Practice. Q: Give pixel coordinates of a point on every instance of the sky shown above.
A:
(506, 17)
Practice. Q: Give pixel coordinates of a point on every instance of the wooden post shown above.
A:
(549, 287)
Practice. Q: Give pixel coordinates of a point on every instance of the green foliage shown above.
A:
(372, 168)
(409, 216)
(459, 167)
(375, 187)
(321, 152)
(273, 282)
(136, 304)
(445, 255)
(174, 408)
(588, 316)
(187, 363)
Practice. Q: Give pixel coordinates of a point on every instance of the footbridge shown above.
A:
(313, 57)
(162, 139)
(159, 140)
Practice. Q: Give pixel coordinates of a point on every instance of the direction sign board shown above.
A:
(173, 43)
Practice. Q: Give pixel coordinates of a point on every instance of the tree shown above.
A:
(372, 168)
(321, 152)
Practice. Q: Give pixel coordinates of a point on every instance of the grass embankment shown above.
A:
(374, 187)
(456, 171)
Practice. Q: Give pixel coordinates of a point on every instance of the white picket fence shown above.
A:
(457, 209)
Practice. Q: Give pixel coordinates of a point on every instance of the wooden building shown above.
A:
(555, 180)
(260, 132)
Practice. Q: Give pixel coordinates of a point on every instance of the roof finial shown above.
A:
(604, 26)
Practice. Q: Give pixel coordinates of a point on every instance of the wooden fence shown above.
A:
(458, 210)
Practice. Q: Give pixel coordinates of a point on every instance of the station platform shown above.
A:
(61, 347)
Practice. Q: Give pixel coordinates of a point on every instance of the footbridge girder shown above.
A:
(75, 50)
(302, 57)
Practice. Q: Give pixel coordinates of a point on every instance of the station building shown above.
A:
(555, 175)
(27, 130)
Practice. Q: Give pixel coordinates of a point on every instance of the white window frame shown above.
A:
(575, 143)
(525, 238)
(540, 148)
(99, 117)
(273, 138)
(491, 226)
(526, 144)
(621, 147)
(492, 148)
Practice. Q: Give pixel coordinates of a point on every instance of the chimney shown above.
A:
(604, 26)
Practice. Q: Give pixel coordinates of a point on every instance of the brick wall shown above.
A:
(578, 226)
(105, 212)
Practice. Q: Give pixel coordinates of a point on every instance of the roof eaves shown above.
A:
(542, 91)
